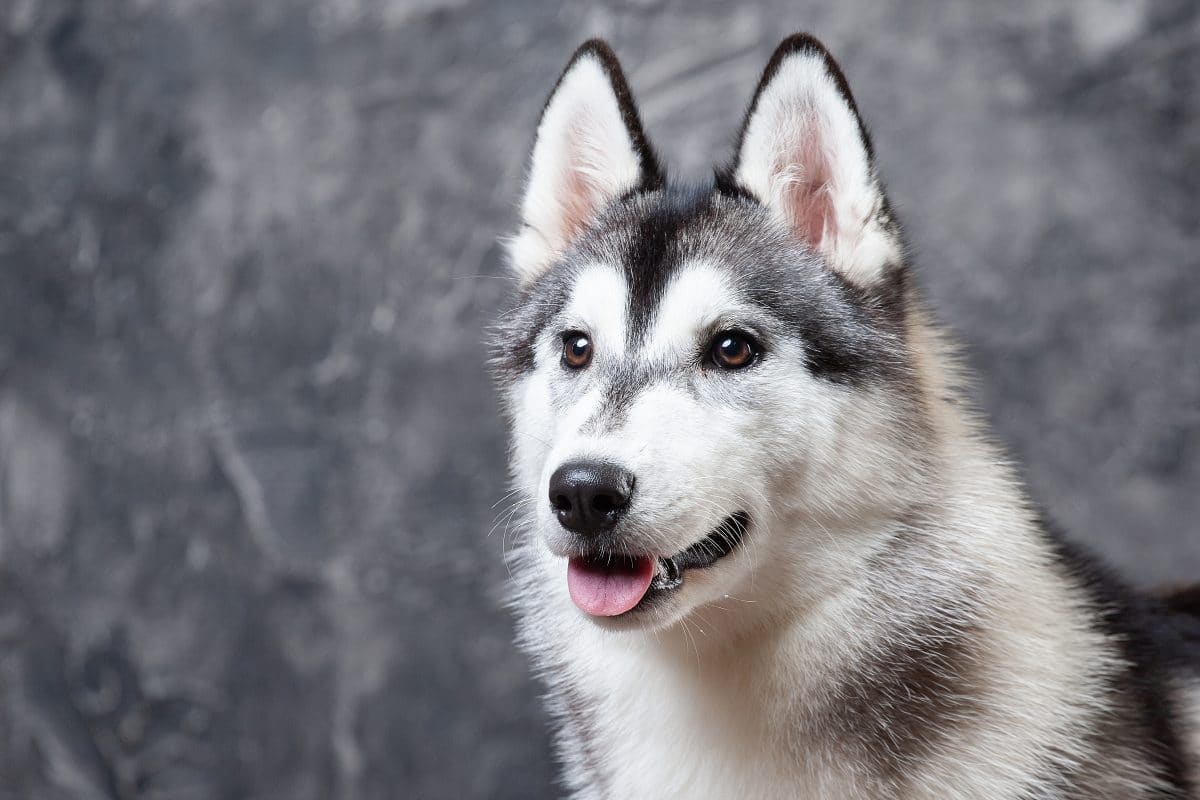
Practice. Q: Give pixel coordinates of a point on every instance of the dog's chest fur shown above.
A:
(831, 710)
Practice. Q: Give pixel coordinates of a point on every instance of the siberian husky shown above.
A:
(765, 549)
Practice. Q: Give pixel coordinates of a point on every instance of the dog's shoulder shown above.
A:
(1156, 639)
(1163, 625)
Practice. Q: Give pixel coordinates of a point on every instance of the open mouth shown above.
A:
(609, 585)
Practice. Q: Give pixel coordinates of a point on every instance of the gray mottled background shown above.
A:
(248, 452)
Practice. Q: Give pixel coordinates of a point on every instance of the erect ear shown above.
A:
(590, 149)
(804, 152)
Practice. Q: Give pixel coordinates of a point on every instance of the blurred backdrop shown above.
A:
(249, 454)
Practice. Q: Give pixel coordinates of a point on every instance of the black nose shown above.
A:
(589, 496)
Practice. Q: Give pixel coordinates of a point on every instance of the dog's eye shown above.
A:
(577, 349)
(732, 350)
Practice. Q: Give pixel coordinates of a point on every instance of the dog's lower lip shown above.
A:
(723, 540)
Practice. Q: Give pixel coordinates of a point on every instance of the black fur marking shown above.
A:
(827, 354)
(851, 335)
(725, 183)
(904, 699)
(652, 256)
(909, 699)
(797, 44)
(1146, 638)
(652, 174)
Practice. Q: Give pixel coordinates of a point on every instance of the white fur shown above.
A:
(803, 156)
(597, 306)
(693, 303)
(583, 157)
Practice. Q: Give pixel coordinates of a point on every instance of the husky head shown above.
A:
(709, 388)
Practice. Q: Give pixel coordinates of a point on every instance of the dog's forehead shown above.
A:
(670, 259)
(696, 296)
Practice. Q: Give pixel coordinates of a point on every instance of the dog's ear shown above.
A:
(804, 152)
(590, 149)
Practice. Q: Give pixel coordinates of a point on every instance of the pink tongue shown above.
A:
(606, 590)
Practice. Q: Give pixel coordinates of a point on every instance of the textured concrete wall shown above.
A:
(248, 452)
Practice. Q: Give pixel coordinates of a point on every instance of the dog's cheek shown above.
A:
(533, 429)
(792, 437)
(691, 457)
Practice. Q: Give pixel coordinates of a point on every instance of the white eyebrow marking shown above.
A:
(695, 299)
(598, 304)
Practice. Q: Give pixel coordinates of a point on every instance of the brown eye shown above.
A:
(730, 350)
(577, 350)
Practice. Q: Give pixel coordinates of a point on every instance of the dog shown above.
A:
(765, 549)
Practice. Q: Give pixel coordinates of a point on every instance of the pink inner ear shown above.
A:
(807, 193)
(575, 205)
(577, 195)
